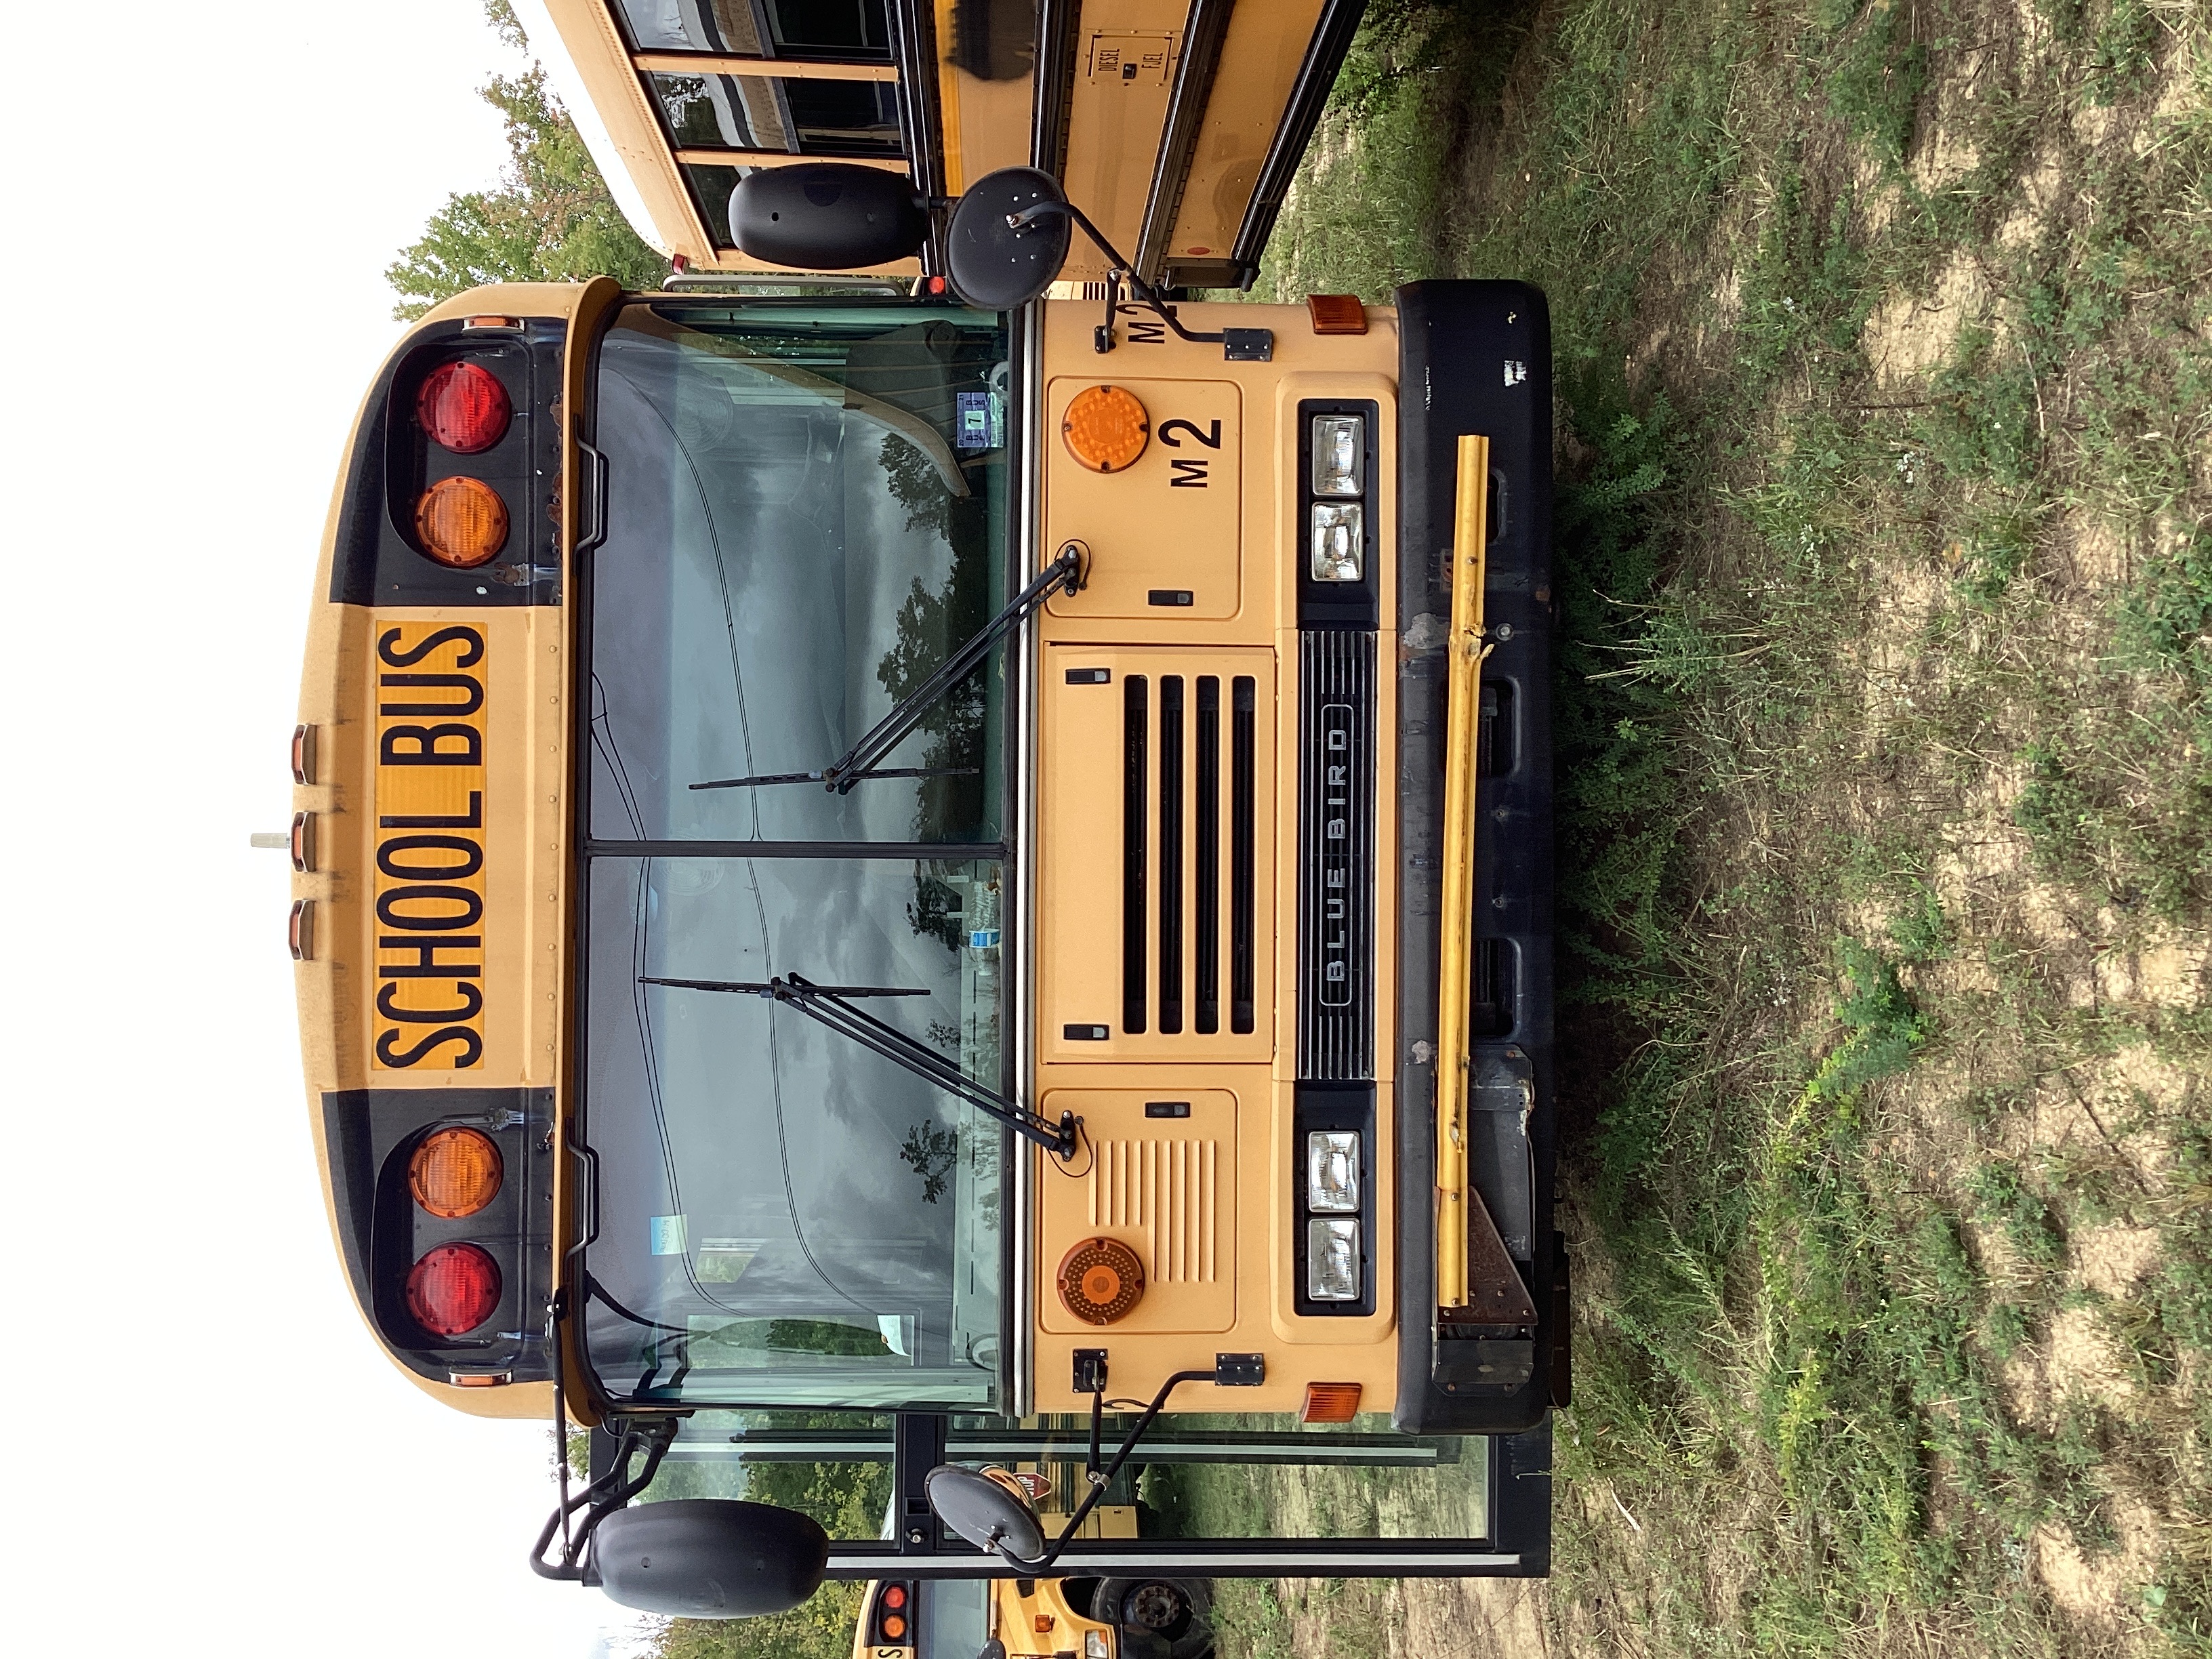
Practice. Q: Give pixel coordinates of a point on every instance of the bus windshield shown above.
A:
(806, 514)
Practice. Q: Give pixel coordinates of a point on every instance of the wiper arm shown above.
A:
(1064, 574)
(829, 1005)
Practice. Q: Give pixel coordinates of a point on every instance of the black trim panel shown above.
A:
(1475, 358)
(375, 560)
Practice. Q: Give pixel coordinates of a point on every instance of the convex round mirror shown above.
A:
(993, 265)
(827, 215)
(989, 1514)
(708, 1558)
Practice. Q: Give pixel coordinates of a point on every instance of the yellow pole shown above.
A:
(1465, 652)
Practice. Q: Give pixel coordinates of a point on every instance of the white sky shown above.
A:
(209, 1455)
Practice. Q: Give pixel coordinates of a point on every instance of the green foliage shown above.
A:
(1921, 931)
(821, 1628)
(1878, 73)
(1984, 422)
(1882, 1026)
(2002, 1197)
(551, 220)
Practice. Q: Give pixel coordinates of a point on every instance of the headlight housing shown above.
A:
(1339, 454)
(1338, 548)
(1333, 1259)
(1333, 1172)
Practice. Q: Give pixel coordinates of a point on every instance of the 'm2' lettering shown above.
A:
(1189, 472)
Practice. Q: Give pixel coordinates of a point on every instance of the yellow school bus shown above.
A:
(929, 906)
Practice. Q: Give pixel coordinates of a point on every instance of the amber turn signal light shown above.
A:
(1101, 1280)
(455, 1173)
(1330, 1402)
(1106, 429)
(1336, 313)
(461, 522)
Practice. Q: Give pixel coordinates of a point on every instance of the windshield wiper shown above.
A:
(829, 1005)
(1064, 574)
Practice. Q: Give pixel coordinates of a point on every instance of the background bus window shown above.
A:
(843, 117)
(710, 188)
(833, 1466)
(719, 112)
(1207, 1475)
(855, 30)
(759, 112)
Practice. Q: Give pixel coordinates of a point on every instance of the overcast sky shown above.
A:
(209, 1453)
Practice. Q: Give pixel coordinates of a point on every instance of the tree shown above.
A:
(552, 219)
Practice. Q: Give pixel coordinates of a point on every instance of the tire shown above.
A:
(1176, 1612)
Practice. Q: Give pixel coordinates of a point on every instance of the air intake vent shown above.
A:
(1156, 818)
(1169, 1191)
(1154, 747)
(1336, 856)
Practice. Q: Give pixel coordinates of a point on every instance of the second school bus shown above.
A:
(880, 879)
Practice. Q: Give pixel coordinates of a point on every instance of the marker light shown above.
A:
(895, 1596)
(1094, 1645)
(1106, 429)
(455, 1172)
(894, 1626)
(1339, 551)
(464, 407)
(452, 1289)
(1330, 1402)
(1333, 1260)
(462, 522)
(1333, 1172)
(1339, 454)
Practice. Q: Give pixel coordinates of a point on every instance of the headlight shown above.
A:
(1339, 454)
(1095, 1646)
(1333, 1172)
(1338, 532)
(1333, 1260)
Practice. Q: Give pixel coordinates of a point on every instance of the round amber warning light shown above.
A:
(462, 522)
(1106, 428)
(455, 1172)
(1101, 1280)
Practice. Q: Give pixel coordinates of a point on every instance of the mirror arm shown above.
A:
(1138, 285)
(653, 1436)
(1099, 1481)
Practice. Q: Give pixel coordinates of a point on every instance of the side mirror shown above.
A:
(990, 1514)
(827, 215)
(708, 1558)
(997, 266)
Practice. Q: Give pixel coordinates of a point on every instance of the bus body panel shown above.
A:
(516, 663)
(1193, 552)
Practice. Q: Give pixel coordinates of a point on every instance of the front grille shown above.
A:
(1336, 856)
(1171, 776)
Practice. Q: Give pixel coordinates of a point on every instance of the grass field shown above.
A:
(1885, 551)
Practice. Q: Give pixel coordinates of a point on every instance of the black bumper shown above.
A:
(1476, 357)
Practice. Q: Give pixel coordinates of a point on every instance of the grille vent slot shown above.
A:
(1172, 779)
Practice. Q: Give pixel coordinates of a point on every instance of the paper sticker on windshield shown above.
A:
(668, 1235)
(722, 1261)
(981, 424)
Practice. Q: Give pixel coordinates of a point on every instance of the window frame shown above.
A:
(585, 847)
